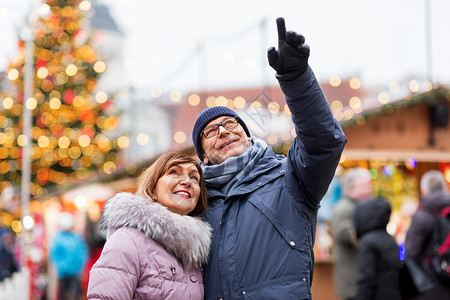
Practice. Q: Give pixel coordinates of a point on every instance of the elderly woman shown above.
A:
(156, 243)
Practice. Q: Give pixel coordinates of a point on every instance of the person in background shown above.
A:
(378, 252)
(434, 199)
(262, 206)
(356, 187)
(156, 244)
(8, 261)
(68, 252)
(95, 240)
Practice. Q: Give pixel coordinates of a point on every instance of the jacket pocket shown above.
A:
(295, 239)
(286, 288)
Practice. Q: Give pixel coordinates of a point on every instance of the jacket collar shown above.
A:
(187, 238)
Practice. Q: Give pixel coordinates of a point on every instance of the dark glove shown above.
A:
(291, 59)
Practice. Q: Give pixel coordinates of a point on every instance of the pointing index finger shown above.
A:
(281, 26)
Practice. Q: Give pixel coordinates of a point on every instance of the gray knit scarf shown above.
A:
(226, 176)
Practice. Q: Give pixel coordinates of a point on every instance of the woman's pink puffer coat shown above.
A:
(150, 253)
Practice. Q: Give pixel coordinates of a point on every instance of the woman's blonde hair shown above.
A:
(149, 178)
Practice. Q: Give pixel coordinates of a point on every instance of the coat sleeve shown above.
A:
(342, 226)
(367, 271)
(115, 274)
(419, 234)
(315, 153)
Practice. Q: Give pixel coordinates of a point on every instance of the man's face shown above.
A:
(361, 189)
(227, 143)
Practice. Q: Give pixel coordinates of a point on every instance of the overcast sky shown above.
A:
(378, 41)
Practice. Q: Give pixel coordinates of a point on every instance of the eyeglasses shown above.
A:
(213, 130)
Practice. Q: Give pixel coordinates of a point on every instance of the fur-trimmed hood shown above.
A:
(187, 238)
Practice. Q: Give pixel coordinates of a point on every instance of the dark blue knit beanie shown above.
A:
(206, 116)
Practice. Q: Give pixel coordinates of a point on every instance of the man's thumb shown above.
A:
(273, 56)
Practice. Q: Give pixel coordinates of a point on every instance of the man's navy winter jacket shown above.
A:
(263, 233)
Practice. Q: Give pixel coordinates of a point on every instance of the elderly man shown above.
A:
(356, 187)
(434, 199)
(262, 206)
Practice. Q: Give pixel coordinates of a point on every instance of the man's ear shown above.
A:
(205, 159)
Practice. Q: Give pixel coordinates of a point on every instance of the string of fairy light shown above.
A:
(341, 112)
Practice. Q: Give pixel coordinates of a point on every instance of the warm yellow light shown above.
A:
(109, 167)
(272, 139)
(8, 102)
(84, 140)
(383, 98)
(211, 101)
(44, 9)
(348, 114)
(42, 73)
(286, 109)
(22, 140)
(103, 142)
(175, 96)
(355, 103)
(447, 175)
(335, 81)
(221, 101)
(71, 70)
(13, 74)
(6, 219)
(123, 142)
(4, 167)
(273, 107)
(194, 99)
(80, 201)
(338, 115)
(85, 5)
(74, 152)
(354, 83)
(336, 105)
(63, 142)
(100, 67)
(428, 85)
(179, 137)
(61, 78)
(31, 103)
(43, 141)
(239, 102)
(16, 226)
(414, 86)
(142, 139)
(256, 106)
(78, 101)
(3, 138)
(101, 97)
(55, 103)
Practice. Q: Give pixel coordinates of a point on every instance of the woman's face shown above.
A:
(179, 188)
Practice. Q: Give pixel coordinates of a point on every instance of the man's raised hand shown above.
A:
(291, 59)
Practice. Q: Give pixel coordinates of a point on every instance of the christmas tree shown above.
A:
(72, 121)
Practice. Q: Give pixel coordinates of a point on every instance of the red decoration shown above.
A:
(86, 116)
(68, 96)
(88, 131)
(40, 63)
